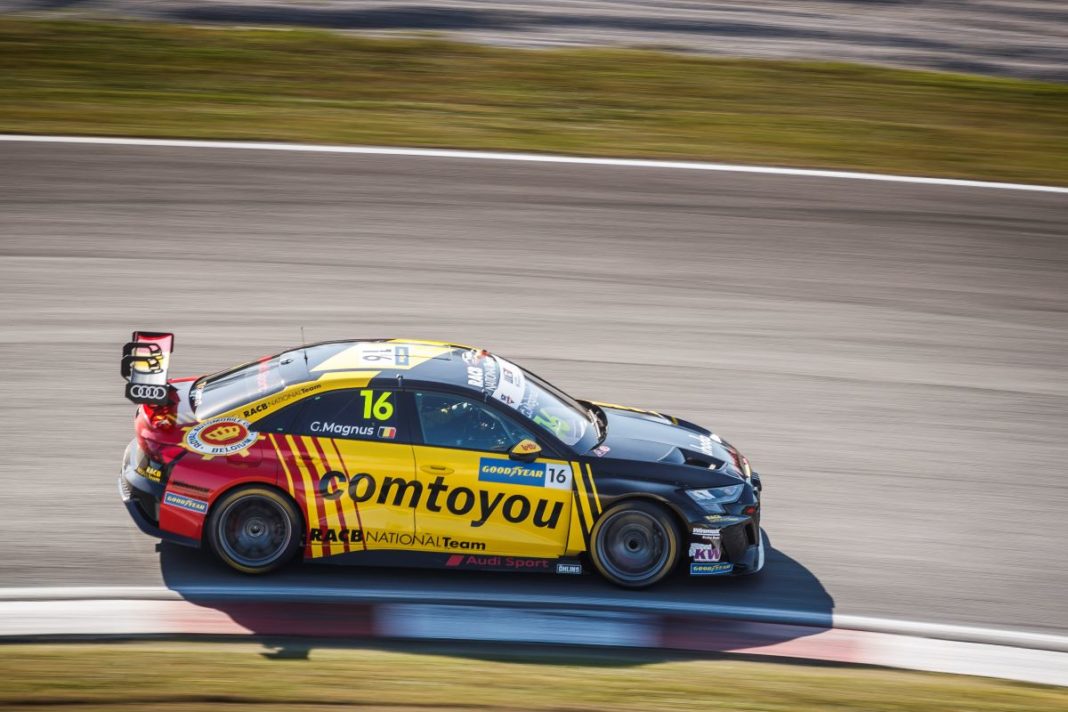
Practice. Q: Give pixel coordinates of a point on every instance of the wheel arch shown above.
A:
(245, 484)
(676, 513)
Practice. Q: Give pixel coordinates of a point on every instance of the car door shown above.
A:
(350, 449)
(476, 497)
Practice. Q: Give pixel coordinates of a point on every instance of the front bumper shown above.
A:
(728, 546)
(142, 497)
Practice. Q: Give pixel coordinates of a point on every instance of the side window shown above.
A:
(364, 414)
(455, 421)
(278, 422)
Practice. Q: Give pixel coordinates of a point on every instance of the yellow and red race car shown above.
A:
(422, 453)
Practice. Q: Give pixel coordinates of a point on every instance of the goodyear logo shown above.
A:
(511, 473)
(183, 502)
(711, 569)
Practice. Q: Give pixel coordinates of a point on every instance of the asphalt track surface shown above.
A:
(890, 356)
(1027, 38)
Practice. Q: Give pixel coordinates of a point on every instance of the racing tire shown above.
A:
(254, 529)
(635, 544)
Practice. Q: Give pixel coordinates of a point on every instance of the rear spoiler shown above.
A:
(144, 365)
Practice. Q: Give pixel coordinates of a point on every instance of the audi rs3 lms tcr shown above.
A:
(422, 453)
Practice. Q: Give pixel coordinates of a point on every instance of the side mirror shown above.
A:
(525, 450)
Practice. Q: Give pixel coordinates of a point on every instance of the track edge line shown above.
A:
(467, 154)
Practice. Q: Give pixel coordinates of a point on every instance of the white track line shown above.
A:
(276, 592)
(529, 158)
(125, 618)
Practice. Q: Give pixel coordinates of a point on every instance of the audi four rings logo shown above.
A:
(148, 392)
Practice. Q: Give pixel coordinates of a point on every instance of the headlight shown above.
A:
(711, 499)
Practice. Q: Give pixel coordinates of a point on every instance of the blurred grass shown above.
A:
(174, 81)
(177, 676)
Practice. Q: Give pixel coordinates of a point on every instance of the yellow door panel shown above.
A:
(374, 481)
(484, 501)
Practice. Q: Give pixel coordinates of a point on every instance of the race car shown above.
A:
(427, 454)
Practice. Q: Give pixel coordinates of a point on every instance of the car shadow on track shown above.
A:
(711, 614)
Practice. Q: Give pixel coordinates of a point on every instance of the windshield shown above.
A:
(221, 392)
(545, 405)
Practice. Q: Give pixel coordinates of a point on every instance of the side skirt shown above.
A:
(568, 565)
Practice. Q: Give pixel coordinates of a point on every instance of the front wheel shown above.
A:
(254, 529)
(635, 544)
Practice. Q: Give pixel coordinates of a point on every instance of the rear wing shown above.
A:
(145, 359)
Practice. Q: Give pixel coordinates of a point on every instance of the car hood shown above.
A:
(650, 437)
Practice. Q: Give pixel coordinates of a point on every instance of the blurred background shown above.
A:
(890, 355)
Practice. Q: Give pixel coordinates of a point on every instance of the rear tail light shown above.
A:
(162, 416)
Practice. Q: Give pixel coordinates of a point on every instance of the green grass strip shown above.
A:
(130, 79)
(172, 676)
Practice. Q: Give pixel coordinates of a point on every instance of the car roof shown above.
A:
(414, 360)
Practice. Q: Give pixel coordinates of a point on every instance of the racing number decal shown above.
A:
(380, 409)
(557, 476)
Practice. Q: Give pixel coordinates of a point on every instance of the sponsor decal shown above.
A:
(421, 541)
(512, 473)
(475, 376)
(186, 485)
(569, 569)
(511, 383)
(502, 379)
(601, 450)
(525, 447)
(150, 473)
(717, 569)
(533, 474)
(145, 393)
(220, 436)
(698, 531)
(295, 393)
(324, 535)
(249, 412)
(327, 534)
(704, 443)
(386, 432)
(497, 562)
(183, 502)
(342, 430)
(438, 495)
(704, 552)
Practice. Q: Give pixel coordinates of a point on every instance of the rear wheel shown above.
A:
(635, 544)
(254, 529)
